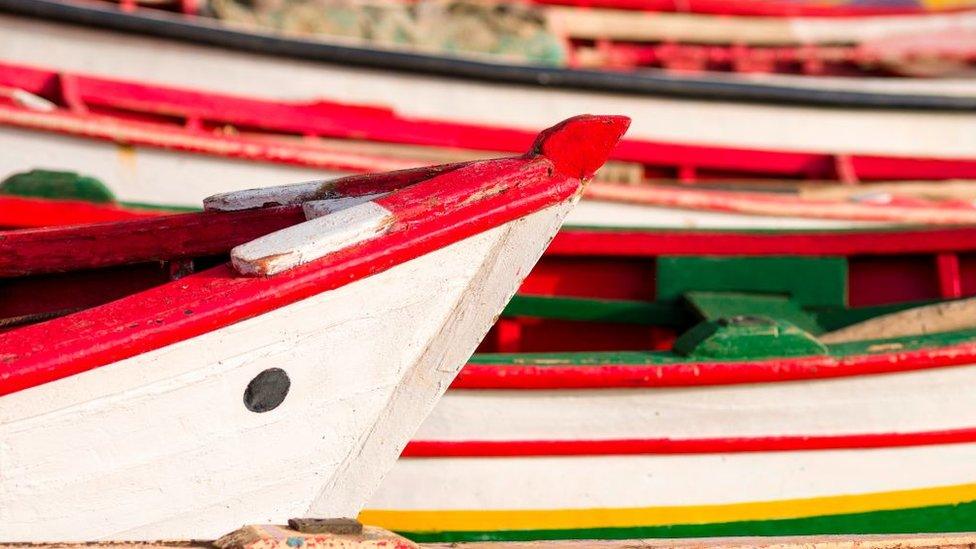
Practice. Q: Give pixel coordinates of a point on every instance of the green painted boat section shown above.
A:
(809, 281)
(650, 358)
(64, 185)
(938, 518)
(677, 314)
(616, 311)
(747, 337)
(57, 185)
(716, 305)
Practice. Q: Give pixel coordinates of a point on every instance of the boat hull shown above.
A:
(167, 178)
(722, 122)
(858, 454)
(161, 445)
(143, 174)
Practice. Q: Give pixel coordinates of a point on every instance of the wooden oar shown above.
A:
(928, 319)
(928, 190)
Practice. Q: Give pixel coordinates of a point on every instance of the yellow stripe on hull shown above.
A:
(936, 5)
(558, 519)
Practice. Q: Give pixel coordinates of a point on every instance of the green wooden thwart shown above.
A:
(747, 337)
(716, 305)
(809, 281)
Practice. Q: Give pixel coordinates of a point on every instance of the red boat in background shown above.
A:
(160, 146)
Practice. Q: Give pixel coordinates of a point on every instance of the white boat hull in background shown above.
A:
(603, 487)
(782, 127)
(143, 174)
(161, 446)
(155, 176)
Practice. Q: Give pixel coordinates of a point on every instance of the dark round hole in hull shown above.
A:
(267, 390)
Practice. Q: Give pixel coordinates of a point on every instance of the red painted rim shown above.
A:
(666, 446)
(647, 243)
(189, 110)
(698, 373)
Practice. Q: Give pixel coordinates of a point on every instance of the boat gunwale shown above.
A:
(354, 121)
(656, 369)
(526, 448)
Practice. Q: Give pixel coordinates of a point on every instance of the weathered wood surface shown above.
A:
(928, 319)
(664, 118)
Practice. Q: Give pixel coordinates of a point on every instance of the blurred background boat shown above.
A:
(247, 54)
(146, 145)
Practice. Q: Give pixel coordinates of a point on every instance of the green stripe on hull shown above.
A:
(940, 518)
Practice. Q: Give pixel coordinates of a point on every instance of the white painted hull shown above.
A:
(603, 214)
(144, 174)
(923, 400)
(100, 52)
(898, 403)
(150, 175)
(599, 483)
(161, 445)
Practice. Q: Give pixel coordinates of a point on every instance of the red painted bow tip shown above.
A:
(579, 145)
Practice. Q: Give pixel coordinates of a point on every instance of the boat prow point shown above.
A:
(579, 145)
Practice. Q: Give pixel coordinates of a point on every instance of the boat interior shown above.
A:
(568, 303)
(50, 272)
(585, 303)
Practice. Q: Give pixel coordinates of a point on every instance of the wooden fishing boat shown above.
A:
(879, 116)
(710, 384)
(724, 438)
(282, 382)
(169, 147)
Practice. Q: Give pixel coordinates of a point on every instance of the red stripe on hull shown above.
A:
(694, 374)
(583, 242)
(665, 446)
